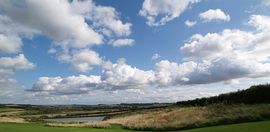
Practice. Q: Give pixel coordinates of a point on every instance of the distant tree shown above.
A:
(254, 94)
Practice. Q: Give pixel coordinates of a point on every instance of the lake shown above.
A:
(78, 119)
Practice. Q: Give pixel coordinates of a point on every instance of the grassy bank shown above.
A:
(80, 124)
(180, 118)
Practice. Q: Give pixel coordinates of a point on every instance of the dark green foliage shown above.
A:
(255, 94)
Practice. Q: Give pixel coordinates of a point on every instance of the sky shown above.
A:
(130, 51)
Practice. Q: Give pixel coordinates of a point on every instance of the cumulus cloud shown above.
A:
(69, 28)
(213, 45)
(230, 54)
(105, 18)
(81, 60)
(71, 25)
(123, 42)
(8, 65)
(9, 44)
(118, 76)
(214, 14)
(10, 35)
(171, 73)
(210, 58)
(189, 23)
(260, 22)
(115, 76)
(218, 70)
(11, 91)
(124, 76)
(70, 85)
(166, 10)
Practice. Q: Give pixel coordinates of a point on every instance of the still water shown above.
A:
(79, 119)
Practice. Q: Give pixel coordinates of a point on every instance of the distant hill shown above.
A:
(252, 95)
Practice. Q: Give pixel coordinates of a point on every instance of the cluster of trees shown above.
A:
(252, 95)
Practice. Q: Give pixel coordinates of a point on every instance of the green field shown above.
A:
(199, 115)
(262, 126)
(9, 110)
(32, 127)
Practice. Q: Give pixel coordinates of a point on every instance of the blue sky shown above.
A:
(91, 52)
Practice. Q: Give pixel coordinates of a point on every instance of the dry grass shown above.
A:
(81, 124)
(12, 119)
(190, 117)
(12, 113)
(164, 119)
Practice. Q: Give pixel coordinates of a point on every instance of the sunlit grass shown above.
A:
(81, 124)
(191, 117)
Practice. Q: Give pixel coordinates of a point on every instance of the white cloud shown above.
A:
(155, 56)
(123, 42)
(123, 76)
(260, 22)
(118, 76)
(71, 25)
(170, 73)
(10, 35)
(11, 91)
(81, 60)
(69, 28)
(8, 65)
(214, 14)
(114, 77)
(10, 44)
(189, 23)
(213, 45)
(217, 71)
(70, 85)
(230, 54)
(166, 10)
(104, 18)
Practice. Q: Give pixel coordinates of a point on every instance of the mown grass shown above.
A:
(262, 126)
(181, 118)
(33, 127)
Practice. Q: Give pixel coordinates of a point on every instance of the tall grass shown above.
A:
(191, 117)
(80, 124)
(12, 119)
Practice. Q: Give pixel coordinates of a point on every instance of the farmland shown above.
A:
(197, 115)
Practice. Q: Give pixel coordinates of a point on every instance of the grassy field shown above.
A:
(206, 114)
(170, 118)
(9, 110)
(32, 127)
(180, 118)
(263, 126)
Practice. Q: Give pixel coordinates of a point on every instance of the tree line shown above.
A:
(252, 95)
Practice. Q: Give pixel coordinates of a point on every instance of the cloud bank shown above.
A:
(210, 58)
